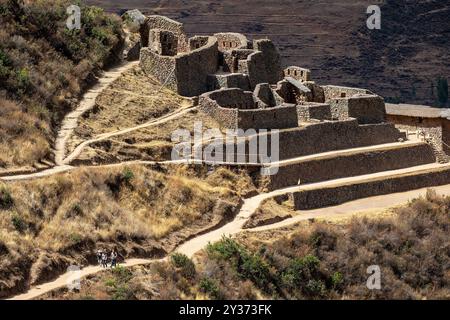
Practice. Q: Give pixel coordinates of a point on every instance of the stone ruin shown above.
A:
(325, 131)
(242, 84)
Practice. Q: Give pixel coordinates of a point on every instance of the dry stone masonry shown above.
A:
(325, 131)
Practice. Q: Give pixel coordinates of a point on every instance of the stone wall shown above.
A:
(311, 110)
(318, 94)
(280, 117)
(264, 96)
(226, 81)
(194, 67)
(186, 73)
(446, 136)
(333, 92)
(163, 68)
(228, 118)
(230, 60)
(293, 91)
(164, 23)
(247, 113)
(197, 42)
(351, 164)
(163, 42)
(300, 74)
(233, 98)
(328, 136)
(364, 108)
(433, 130)
(263, 65)
(229, 41)
(271, 60)
(335, 195)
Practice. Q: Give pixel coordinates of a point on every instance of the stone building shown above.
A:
(427, 123)
(192, 66)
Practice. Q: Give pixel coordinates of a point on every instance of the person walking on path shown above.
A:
(104, 260)
(99, 256)
(113, 258)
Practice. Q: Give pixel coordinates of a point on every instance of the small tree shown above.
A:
(442, 91)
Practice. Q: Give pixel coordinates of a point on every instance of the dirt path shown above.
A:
(168, 117)
(87, 102)
(235, 226)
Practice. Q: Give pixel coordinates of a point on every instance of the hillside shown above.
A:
(312, 260)
(399, 62)
(44, 67)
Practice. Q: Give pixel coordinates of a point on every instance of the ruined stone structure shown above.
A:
(192, 66)
(325, 131)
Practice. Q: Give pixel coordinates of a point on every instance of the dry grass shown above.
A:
(133, 99)
(270, 211)
(24, 138)
(152, 143)
(318, 260)
(43, 69)
(67, 215)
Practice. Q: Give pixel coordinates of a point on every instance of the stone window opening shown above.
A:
(289, 72)
(343, 95)
(295, 72)
(301, 73)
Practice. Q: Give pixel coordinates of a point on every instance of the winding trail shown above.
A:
(168, 117)
(87, 102)
(249, 206)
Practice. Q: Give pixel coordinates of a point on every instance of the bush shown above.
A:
(223, 249)
(300, 272)
(120, 289)
(18, 223)
(6, 200)
(127, 175)
(210, 287)
(337, 279)
(186, 265)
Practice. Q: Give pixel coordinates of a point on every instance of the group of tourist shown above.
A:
(103, 258)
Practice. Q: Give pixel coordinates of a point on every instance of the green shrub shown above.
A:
(18, 223)
(337, 279)
(210, 287)
(223, 249)
(122, 274)
(75, 238)
(186, 265)
(127, 175)
(315, 288)
(299, 271)
(119, 288)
